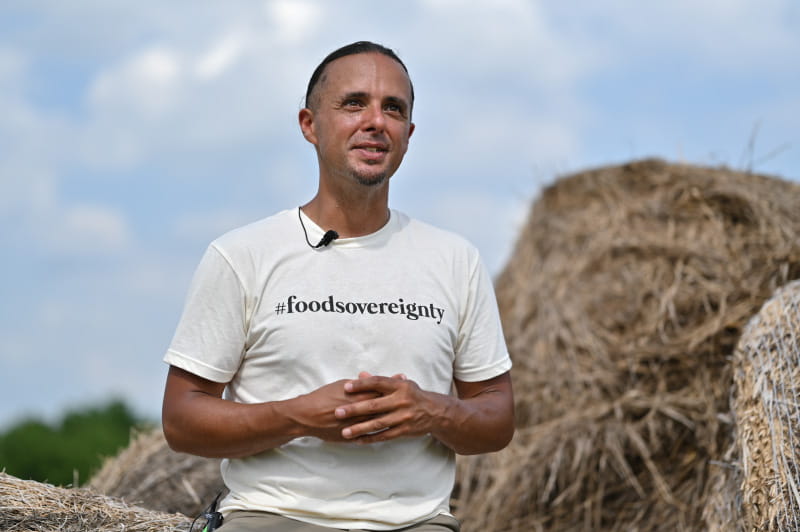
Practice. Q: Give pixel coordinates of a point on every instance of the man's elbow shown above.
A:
(505, 437)
(496, 440)
(503, 432)
(172, 433)
(502, 438)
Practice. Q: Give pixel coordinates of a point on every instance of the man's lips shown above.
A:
(371, 151)
(371, 147)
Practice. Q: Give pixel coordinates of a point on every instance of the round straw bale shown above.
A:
(766, 405)
(723, 508)
(150, 474)
(34, 507)
(622, 303)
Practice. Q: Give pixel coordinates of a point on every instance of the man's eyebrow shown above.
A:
(399, 101)
(362, 95)
(355, 94)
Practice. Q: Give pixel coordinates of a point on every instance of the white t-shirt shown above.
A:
(275, 319)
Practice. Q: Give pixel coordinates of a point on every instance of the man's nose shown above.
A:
(374, 119)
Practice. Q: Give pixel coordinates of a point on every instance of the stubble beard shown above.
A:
(370, 181)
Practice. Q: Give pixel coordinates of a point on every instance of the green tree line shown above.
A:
(69, 450)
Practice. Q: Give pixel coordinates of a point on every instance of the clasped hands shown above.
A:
(373, 408)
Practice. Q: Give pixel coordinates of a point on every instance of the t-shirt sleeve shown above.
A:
(209, 340)
(481, 351)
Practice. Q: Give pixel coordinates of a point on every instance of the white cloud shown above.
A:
(145, 85)
(100, 225)
(487, 221)
(498, 142)
(731, 35)
(205, 226)
(508, 40)
(164, 101)
(85, 230)
(130, 103)
(295, 20)
(222, 55)
(13, 66)
(26, 189)
(32, 143)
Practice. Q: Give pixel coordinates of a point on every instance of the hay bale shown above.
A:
(622, 303)
(150, 474)
(33, 506)
(767, 410)
(723, 508)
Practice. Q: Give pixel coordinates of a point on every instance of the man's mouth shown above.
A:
(372, 148)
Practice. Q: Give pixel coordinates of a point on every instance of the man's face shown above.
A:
(360, 118)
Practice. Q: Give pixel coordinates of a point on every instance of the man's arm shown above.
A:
(197, 420)
(479, 420)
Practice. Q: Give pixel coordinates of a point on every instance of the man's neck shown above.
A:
(348, 218)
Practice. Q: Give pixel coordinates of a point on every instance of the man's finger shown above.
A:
(371, 406)
(383, 385)
(370, 427)
(386, 435)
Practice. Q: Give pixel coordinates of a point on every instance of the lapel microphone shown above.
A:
(329, 236)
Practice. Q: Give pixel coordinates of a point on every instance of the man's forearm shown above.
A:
(474, 425)
(225, 429)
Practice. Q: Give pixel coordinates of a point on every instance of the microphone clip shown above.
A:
(329, 236)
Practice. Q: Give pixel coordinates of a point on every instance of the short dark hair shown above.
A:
(359, 47)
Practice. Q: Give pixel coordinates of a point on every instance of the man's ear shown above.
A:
(411, 128)
(306, 120)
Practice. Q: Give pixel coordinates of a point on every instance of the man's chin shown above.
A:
(371, 180)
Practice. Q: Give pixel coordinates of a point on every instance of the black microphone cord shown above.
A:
(329, 236)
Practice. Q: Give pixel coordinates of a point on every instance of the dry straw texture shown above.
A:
(766, 405)
(150, 474)
(622, 304)
(32, 506)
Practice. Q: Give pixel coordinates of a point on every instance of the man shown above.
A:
(337, 353)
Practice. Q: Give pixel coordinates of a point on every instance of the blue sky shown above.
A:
(133, 133)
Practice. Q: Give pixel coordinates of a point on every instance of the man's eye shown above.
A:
(395, 108)
(352, 103)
